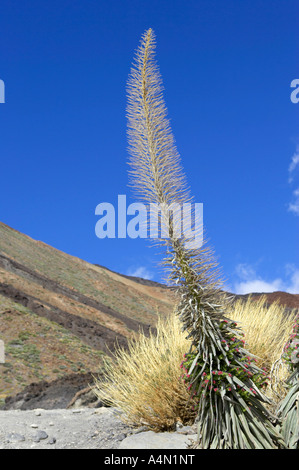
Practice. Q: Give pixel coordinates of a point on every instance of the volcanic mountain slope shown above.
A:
(290, 301)
(60, 315)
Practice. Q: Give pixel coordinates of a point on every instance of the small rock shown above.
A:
(15, 437)
(51, 424)
(34, 425)
(52, 440)
(39, 436)
(37, 413)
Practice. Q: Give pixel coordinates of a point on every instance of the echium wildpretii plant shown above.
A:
(222, 376)
(288, 410)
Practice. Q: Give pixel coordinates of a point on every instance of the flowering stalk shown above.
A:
(220, 373)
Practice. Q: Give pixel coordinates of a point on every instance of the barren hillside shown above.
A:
(59, 314)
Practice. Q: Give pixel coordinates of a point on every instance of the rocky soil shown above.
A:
(62, 429)
(83, 428)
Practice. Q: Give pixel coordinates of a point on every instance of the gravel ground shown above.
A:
(84, 428)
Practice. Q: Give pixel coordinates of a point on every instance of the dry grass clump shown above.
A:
(144, 380)
(267, 329)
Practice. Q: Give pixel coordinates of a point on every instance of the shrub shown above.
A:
(144, 380)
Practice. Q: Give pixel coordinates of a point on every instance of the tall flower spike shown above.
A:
(156, 173)
(221, 373)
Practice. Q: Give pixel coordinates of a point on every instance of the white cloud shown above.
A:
(245, 271)
(294, 163)
(258, 285)
(250, 282)
(140, 271)
(293, 206)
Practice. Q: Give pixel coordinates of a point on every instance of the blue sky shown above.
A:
(227, 67)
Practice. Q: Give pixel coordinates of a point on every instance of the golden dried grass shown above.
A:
(144, 380)
(266, 326)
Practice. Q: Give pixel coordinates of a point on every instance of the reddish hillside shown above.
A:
(283, 298)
